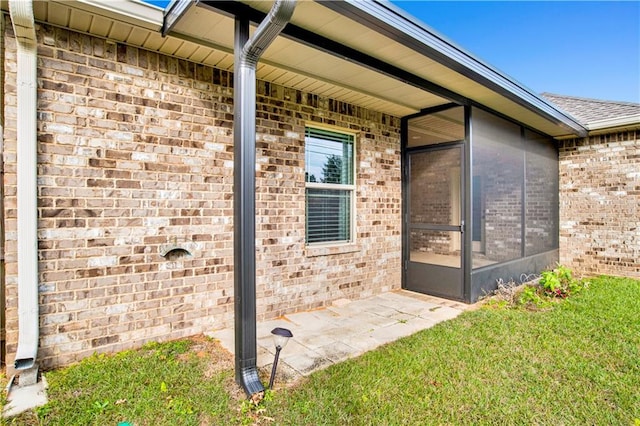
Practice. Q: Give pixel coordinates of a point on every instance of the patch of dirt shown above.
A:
(235, 390)
(219, 359)
(205, 347)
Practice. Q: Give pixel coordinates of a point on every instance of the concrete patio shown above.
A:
(344, 330)
(320, 338)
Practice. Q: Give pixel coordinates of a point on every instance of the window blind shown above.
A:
(328, 215)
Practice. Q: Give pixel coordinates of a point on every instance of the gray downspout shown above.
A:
(21, 12)
(247, 54)
(3, 318)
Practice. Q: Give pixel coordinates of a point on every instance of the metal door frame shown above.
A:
(458, 229)
(465, 207)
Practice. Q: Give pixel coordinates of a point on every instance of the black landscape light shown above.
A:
(280, 338)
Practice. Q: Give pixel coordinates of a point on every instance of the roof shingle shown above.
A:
(588, 110)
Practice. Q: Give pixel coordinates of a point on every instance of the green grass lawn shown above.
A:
(577, 363)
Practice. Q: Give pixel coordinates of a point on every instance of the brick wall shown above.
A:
(135, 158)
(600, 204)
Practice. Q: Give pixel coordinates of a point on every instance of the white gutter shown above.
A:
(629, 121)
(609, 125)
(21, 12)
(136, 12)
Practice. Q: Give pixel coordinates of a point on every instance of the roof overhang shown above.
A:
(370, 54)
(612, 125)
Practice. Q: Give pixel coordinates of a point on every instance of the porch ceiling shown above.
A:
(400, 82)
(299, 66)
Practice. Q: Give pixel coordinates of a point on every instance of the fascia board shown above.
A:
(388, 19)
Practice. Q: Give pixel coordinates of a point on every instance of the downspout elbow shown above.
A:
(250, 380)
(21, 12)
(275, 21)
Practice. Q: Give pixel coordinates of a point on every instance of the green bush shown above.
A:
(559, 282)
(530, 297)
(553, 284)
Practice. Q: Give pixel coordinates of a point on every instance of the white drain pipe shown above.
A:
(21, 12)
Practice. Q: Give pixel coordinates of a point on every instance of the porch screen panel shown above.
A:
(436, 128)
(541, 194)
(498, 167)
(435, 187)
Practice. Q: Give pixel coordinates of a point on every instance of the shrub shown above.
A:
(529, 297)
(559, 282)
(539, 293)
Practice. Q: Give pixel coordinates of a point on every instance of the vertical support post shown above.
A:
(523, 196)
(244, 228)
(467, 212)
(404, 171)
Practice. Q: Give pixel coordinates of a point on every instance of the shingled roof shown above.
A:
(590, 111)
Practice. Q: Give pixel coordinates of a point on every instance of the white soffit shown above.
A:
(206, 36)
(315, 17)
(305, 68)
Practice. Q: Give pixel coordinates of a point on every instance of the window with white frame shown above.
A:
(330, 185)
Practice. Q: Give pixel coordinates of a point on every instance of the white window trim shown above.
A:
(352, 187)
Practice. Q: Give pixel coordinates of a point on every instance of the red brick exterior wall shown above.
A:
(600, 204)
(136, 157)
